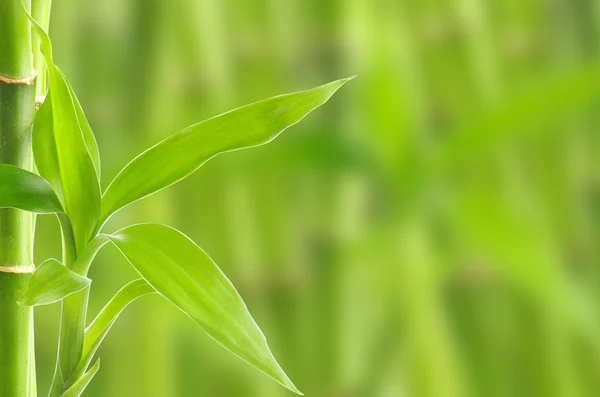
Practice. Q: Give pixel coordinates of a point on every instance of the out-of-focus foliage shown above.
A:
(434, 232)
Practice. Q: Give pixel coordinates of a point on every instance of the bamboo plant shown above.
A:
(51, 165)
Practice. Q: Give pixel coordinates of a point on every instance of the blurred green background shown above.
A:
(432, 231)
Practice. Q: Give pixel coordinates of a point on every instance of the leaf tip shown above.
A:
(27, 300)
(337, 84)
(329, 89)
(287, 383)
(294, 389)
(281, 377)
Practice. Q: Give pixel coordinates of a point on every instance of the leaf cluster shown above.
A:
(67, 184)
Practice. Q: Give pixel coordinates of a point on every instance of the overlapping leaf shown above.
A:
(26, 191)
(182, 153)
(98, 329)
(52, 282)
(65, 150)
(186, 276)
(80, 385)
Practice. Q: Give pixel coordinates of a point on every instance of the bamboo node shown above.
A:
(24, 81)
(17, 269)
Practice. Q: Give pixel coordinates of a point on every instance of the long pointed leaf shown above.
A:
(88, 135)
(99, 328)
(186, 276)
(26, 191)
(61, 151)
(184, 152)
(52, 282)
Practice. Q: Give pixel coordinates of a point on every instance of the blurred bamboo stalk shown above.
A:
(432, 292)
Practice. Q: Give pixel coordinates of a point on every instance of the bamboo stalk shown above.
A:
(17, 95)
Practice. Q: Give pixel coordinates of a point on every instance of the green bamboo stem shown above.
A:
(17, 95)
(15, 338)
(74, 307)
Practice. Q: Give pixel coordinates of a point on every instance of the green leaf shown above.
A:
(186, 276)
(61, 148)
(185, 151)
(88, 135)
(44, 147)
(80, 385)
(58, 380)
(99, 328)
(26, 191)
(52, 282)
(86, 256)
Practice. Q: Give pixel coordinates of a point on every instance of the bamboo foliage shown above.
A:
(68, 162)
(436, 231)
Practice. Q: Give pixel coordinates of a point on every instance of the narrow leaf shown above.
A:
(26, 191)
(88, 135)
(52, 282)
(44, 146)
(99, 328)
(186, 276)
(58, 381)
(80, 385)
(185, 151)
(62, 153)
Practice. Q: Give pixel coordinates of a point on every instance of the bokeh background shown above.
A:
(432, 231)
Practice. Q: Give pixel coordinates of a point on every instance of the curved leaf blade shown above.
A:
(185, 151)
(26, 191)
(88, 253)
(88, 135)
(61, 151)
(99, 328)
(52, 282)
(186, 276)
(44, 146)
(82, 383)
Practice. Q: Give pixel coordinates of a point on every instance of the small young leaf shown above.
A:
(79, 386)
(52, 282)
(98, 329)
(62, 147)
(186, 276)
(185, 151)
(26, 191)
